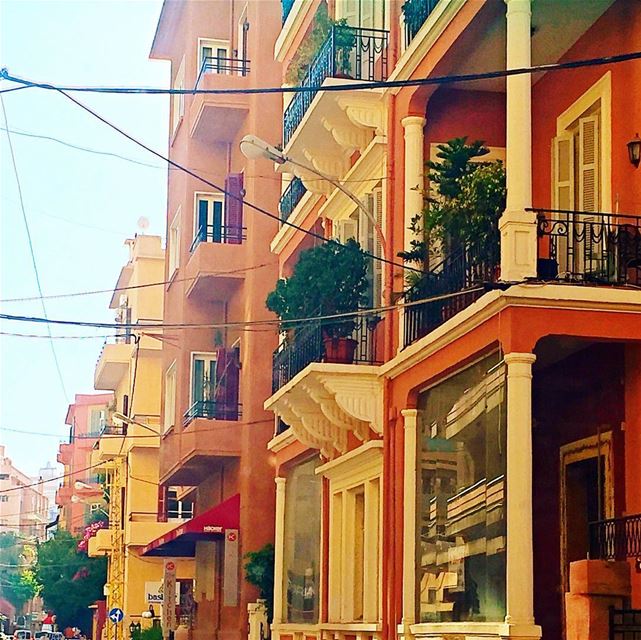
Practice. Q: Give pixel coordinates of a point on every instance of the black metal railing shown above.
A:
(212, 410)
(593, 248)
(287, 7)
(308, 346)
(218, 233)
(348, 52)
(114, 430)
(616, 538)
(291, 197)
(223, 66)
(625, 624)
(467, 273)
(415, 13)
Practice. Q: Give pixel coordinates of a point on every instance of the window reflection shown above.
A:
(302, 543)
(462, 509)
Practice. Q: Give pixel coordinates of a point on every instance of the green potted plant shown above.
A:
(259, 571)
(462, 209)
(327, 280)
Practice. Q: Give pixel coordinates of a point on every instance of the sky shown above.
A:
(80, 206)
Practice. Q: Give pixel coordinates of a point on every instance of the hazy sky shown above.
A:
(80, 206)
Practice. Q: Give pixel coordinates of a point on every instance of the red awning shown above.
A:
(210, 525)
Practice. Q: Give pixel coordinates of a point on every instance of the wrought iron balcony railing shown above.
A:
(212, 410)
(291, 197)
(466, 274)
(348, 52)
(616, 538)
(592, 248)
(287, 7)
(218, 233)
(308, 346)
(415, 13)
(223, 66)
(114, 430)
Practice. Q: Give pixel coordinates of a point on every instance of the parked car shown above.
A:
(22, 634)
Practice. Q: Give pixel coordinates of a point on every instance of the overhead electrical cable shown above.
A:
(229, 194)
(350, 86)
(31, 249)
(240, 323)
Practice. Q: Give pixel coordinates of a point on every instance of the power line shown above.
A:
(135, 286)
(229, 194)
(31, 250)
(239, 323)
(353, 86)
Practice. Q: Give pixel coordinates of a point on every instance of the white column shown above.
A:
(520, 582)
(518, 226)
(279, 546)
(414, 170)
(410, 469)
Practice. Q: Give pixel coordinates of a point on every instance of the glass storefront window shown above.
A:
(301, 571)
(461, 521)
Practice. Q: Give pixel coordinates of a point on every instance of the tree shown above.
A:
(18, 585)
(70, 580)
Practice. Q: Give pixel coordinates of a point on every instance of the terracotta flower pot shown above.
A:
(339, 350)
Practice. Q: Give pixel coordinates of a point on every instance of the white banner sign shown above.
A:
(169, 598)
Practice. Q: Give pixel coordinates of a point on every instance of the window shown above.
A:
(170, 397)
(461, 528)
(178, 509)
(208, 217)
(173, 244)
(178, 100)
(203, 378)
(4, 476)
(301, 554)
(213, 56)
(355, 537)
(367, 14)
(98, 420)
(4, 498)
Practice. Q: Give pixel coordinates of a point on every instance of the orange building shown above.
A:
(218, 268)
(477, 474)
(86, 418)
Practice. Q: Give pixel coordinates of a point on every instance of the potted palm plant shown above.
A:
(327, 280)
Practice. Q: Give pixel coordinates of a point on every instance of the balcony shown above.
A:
(142, 528)
(113, 363)
(65, 453)
(415, 13)
(216, 118)
(291, 197)
(597, 249)
(287, 7)
(616, 538)
(110, 444)
(308, 346)
(456, 282)
(190, 455)
(63, 495)
(216, 264)
(212, 410)
(100, 544)
(349, 53)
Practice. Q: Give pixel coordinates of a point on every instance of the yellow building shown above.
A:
(128, 448)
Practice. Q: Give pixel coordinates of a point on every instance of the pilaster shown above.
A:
(279, 542)
(414, 171)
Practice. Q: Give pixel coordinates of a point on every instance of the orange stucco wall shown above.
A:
(618, 30)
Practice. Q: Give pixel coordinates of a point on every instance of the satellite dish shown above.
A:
(143, 224)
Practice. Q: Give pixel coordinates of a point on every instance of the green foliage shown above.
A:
(259, 571)
(70, 580)
(328, 279)
(19, 587)
(151, 633)
(312, 43)
(463, 206)
(16, 585)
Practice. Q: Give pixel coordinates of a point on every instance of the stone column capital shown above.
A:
(519, 358)
(413, 121)
(280, 481)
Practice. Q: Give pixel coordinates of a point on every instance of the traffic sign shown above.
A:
(116, 615)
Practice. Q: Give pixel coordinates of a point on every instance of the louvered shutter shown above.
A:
(589, 194)
(202, 231)
(227, 377)
(378, 249)
(234, 208)
(198, 380)
(347, 229)
(366, 234)
(563, 174)
(162, 504)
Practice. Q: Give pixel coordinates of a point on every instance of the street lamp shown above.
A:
(254, 148)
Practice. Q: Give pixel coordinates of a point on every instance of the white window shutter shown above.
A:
(563, 171)
(378, 249)
(589, 163)
(347, 229)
